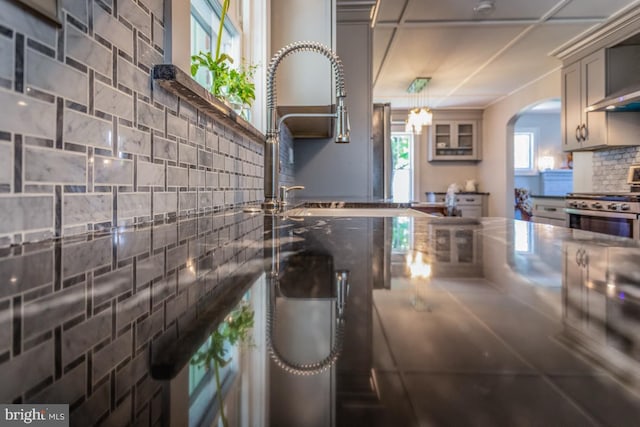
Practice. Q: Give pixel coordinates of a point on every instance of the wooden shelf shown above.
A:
(176, 81)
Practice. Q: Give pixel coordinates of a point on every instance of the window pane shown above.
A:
(523, 151)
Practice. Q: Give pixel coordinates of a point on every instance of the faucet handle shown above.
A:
(284, 190)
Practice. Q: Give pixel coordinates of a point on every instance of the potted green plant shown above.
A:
(234, 329)
(235, 87)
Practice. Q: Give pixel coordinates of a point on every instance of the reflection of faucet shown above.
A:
(272, 149)
(284, 190)
(341, 281)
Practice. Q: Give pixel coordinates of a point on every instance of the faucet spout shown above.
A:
(272, 201)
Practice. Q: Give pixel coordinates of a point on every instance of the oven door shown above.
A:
(613, 223)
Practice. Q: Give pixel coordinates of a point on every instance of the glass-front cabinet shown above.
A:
(454, 140)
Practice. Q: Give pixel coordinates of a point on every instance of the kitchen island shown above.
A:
(349, 321)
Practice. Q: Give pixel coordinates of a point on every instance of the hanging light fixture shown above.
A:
(418, 116)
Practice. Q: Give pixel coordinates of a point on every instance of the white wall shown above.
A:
(437, 176)
(494, 172)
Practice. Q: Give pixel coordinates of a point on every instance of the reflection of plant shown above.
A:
(400, 234)
(229, 84)
(523, 203)
(400, 152)
(234, 329)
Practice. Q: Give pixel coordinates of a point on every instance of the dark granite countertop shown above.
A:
(353, 321)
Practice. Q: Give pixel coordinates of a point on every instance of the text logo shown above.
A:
(34, 415)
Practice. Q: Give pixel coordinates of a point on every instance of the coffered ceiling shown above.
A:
(475, 59)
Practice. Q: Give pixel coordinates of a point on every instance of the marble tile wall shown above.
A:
(89, 142)
(610, 168)
(82, 316)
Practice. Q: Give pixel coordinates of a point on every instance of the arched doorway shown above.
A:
(536, 164)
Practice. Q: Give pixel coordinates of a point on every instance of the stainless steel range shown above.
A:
(609, 213)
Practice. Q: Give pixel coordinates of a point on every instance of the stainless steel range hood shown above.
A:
(627, 99)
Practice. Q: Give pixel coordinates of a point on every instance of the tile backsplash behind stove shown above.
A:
(610, 168)
(88, 141)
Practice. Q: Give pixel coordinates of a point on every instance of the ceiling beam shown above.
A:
(544, 18)
(392, 42)
(489, 23)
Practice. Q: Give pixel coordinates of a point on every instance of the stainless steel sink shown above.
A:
(355, 212)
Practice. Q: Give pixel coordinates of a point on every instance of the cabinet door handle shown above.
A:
(578, 133)
(550, 209)
(470, 200)
(584, 132)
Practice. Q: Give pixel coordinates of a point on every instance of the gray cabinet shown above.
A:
(470, 205)
(583, 83)
(548, 211)
(586, 82)
(585, 287)
(454, 140)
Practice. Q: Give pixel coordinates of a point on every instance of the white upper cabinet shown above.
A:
(454, 140)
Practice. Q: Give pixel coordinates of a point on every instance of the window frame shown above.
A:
(533, 149)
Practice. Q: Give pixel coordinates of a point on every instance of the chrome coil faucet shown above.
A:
(272, 202)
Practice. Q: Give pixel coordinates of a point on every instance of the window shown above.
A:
(402, 171)
(523, 153)
(205, 21)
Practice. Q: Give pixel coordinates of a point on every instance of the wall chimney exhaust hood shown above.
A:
(627, 99)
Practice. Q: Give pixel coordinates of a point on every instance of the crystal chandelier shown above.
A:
(418, 116)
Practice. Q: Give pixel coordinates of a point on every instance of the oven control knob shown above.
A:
(624, 207)
(573, 204)
(584, 205)
(596, 205)
(612, 206)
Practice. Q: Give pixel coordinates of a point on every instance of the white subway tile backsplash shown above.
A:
(188, 154)
(134, 205)
(26, 212)
(165, 202)
(112, 30)
(165, 149)
(136, 16)
(89, 84)
(134, 141)
(7, 49)
(610, 168)
(27, 115)
(19, 272)
(147, 55)
(86, 208)
(150, 116)
(187, 201)
(150, 174)
(158, 33)
(84, 129)
(85, 256)
(177, 177)
(82, 48)
(49, 165)
(38, 359)
(133, 77)
(76, 8)
(109, 170)
(12, 16)
(6, 163)
(176, 126)
(49, 75)
(113, 101)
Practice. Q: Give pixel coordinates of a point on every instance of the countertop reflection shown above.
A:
(244, 319)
